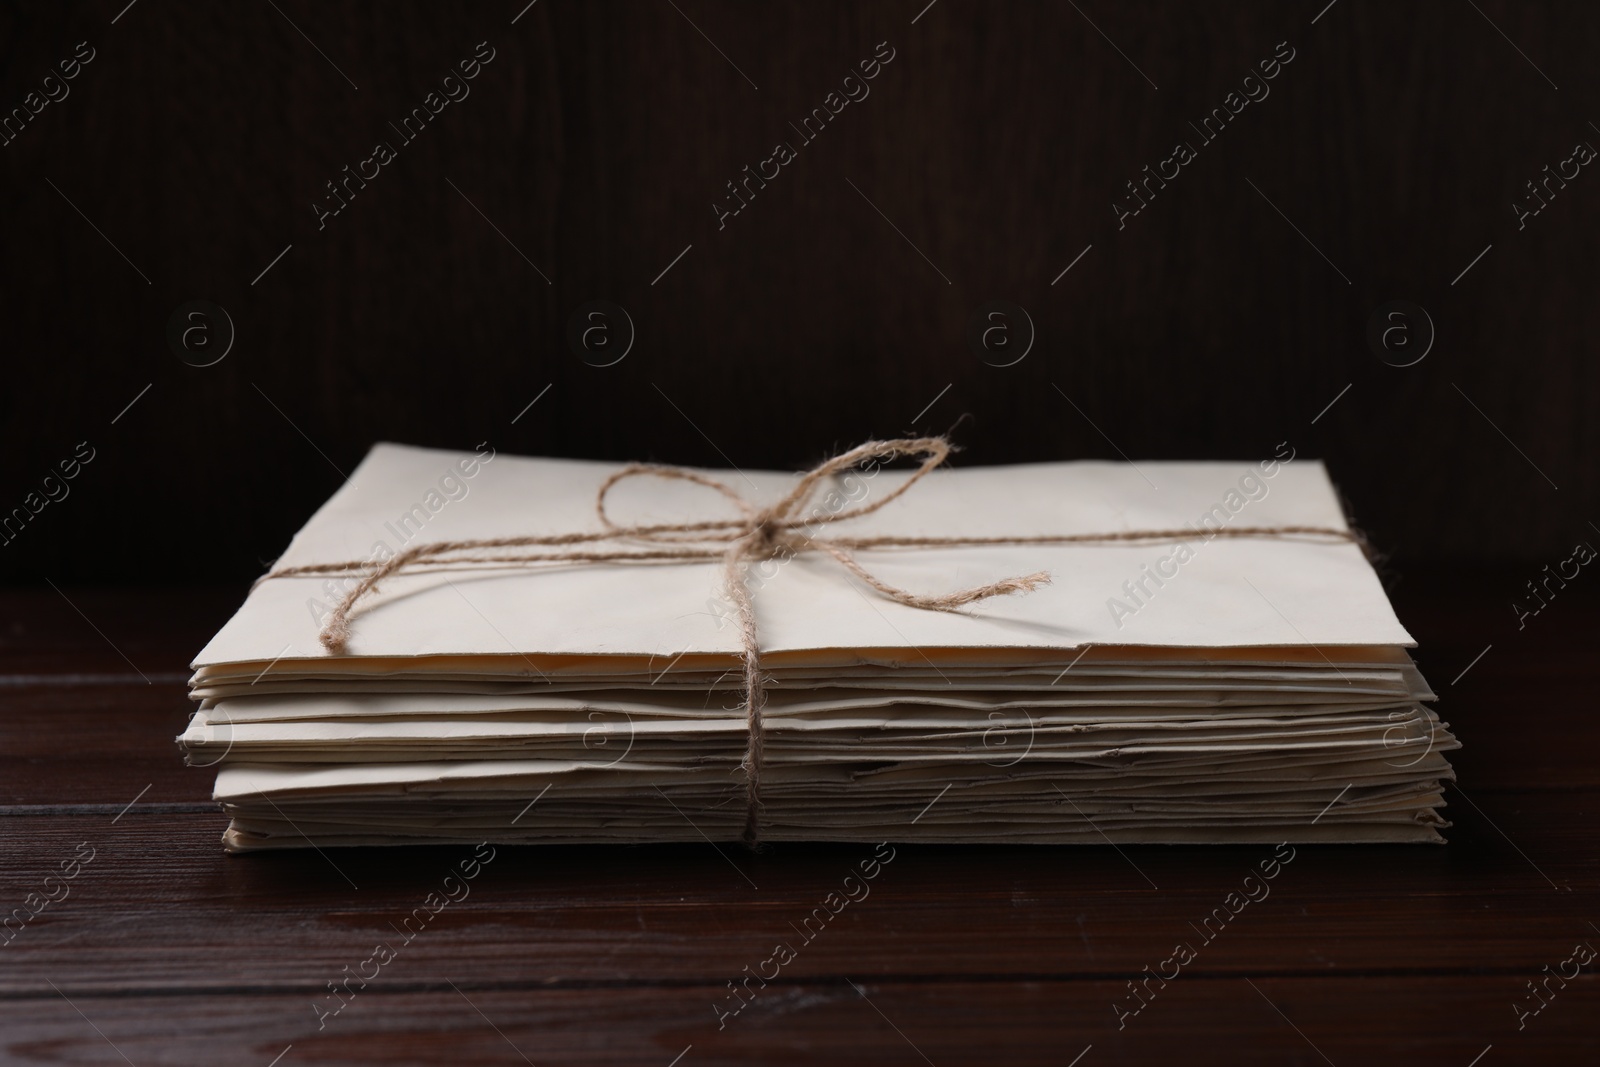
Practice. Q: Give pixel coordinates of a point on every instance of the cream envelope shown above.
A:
(1306, 593)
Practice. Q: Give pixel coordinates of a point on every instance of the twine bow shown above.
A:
(782, 529)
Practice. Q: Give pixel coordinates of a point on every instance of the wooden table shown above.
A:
(166, 951)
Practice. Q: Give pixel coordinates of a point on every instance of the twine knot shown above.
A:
(767, 540)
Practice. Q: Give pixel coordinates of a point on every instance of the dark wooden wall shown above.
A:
(837, 304)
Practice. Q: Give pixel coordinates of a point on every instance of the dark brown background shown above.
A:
(598, 139)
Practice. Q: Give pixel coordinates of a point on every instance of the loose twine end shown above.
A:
(335, 636)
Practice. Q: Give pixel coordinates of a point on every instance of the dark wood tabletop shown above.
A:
(134, 939)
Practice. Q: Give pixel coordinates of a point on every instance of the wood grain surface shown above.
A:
(166, 951)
